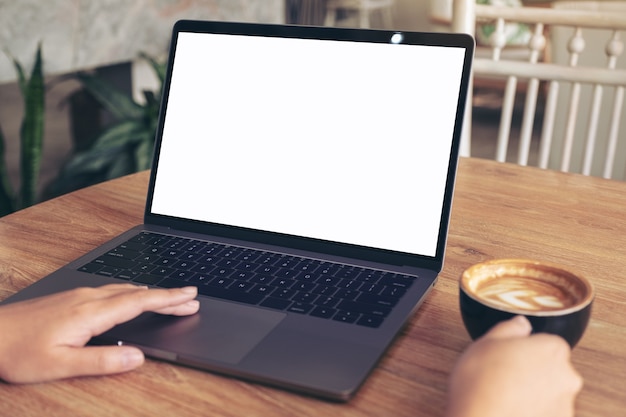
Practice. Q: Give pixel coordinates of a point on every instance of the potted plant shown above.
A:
(31, 141)
(125, 146)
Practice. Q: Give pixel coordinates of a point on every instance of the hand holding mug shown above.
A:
(509, 372)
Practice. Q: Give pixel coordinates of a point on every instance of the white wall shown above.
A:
(85, 34)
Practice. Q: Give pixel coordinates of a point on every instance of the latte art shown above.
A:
(554, 300)
(523, 293)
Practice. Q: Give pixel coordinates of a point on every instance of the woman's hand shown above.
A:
(509, 372)
(44, 339)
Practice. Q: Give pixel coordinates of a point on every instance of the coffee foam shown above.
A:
(524, 286)
(524, 294)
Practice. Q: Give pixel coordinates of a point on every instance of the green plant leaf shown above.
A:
(124, 164)
(86, 163)
(143, 154)
(120, 104)
(21, 77)
(159, 68)
(122, 148)
(32, 131)
(112, 144)
(122, 134)
(6, 191)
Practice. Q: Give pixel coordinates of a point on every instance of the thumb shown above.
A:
(518, 326)
(100, 360)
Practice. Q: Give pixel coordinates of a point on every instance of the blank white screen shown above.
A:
(342, 141)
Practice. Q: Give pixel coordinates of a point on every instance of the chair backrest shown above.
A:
(542, 77)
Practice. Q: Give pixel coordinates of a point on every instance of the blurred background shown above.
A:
(101, 67)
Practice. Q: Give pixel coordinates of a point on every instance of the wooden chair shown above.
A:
(364, 8)
(540, 76)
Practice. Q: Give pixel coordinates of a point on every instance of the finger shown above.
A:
(79, 295)
(127, 305)
(518, 326)
(97, 360)
(560, 352)
(186, 309)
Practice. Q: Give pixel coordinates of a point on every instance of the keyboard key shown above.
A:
(109, 271)
(393, 291)
(203, 268)
(378, 300)
(363, 308)
(242, 285)
(227, 263)
(267, 269)
(306, 266)
(346, 316)
(370, 321)
(171, 253)
(172, 283)
(200, 279)
(243, 275)
(123, 253)
(304, 297)
(148, 279)
(285, 273)
(373, 289)
(262, 289)
(182, 275)
(128, 275)
(222, 272)
(304, 286)
(283, 282)
(326, 268)
(247, 256)
(91, 267)
(323, 312)
(163, 271)
(262, 279)
(371, 277)
(221, 282)
(325, 290)
(228, 294)
(285, 293)
(306, 276)
(347, 294)
(276, 303)
(113, 261)
(184, 264)
(287, 262)
(348, 272)
(149, 257)
(132, 245)
(327, 301)
(397, 280)
(331, 281)
(301, 308)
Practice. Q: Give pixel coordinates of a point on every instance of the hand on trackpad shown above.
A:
(221, 331)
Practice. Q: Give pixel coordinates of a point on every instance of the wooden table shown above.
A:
(500, 210)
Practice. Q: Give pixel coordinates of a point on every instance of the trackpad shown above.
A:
(221, 331)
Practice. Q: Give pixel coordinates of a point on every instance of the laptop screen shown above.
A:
(336, 140)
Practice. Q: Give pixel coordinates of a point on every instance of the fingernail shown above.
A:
(189, 290)
(132, 358)
(522, 321)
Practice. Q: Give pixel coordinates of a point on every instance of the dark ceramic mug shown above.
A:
(553, 299)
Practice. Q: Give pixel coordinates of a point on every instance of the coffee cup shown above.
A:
(553, 299)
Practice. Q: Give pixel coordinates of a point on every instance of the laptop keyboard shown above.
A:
(277, 281)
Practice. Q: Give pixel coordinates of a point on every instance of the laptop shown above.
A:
(302, 180)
